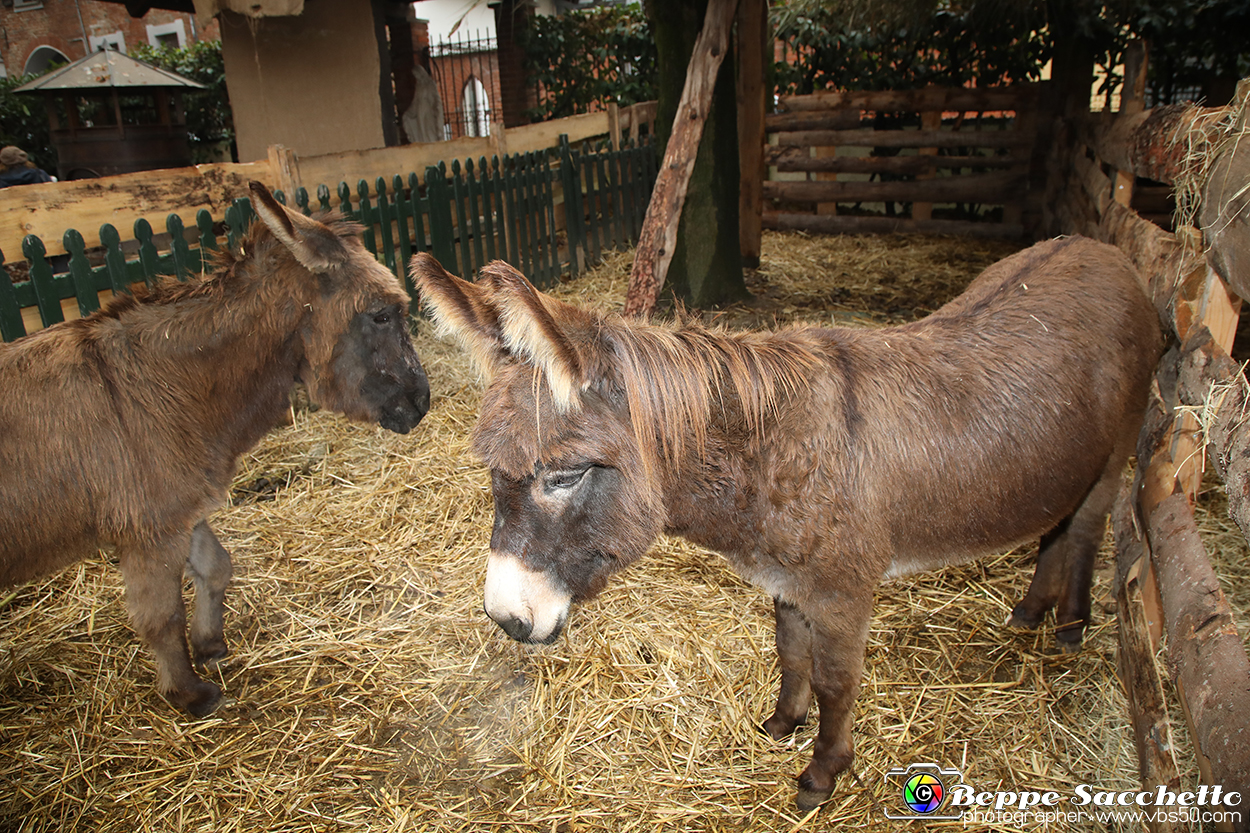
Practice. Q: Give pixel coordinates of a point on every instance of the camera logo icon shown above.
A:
(920, 792)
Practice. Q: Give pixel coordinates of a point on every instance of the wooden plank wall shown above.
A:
(952, 156)
(1167, 592)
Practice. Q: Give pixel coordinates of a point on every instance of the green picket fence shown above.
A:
(466, 216)
(142, 259)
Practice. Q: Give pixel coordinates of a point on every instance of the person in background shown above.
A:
(17, 169)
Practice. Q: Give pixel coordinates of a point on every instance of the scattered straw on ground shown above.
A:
(367, 690)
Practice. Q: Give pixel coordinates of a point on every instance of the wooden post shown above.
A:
(753, 38)
(284, 165)
(1132, 100)
(929, 120)
(499, 140)
(614, 126)
(659, 229)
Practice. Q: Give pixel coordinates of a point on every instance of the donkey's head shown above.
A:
(576, 494)
(358, 355)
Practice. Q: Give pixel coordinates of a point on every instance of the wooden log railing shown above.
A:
(1166, 589)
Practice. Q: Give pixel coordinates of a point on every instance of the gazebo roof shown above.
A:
(105, 69)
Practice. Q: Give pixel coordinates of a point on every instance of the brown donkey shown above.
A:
(123, 428)
(818, 461)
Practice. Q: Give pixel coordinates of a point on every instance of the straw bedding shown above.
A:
(368, 691)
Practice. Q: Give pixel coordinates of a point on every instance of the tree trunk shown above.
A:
(706, 269)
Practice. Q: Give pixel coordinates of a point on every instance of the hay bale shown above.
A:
(367, 690)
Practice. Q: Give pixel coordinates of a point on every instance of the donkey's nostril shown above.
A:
(516, 628)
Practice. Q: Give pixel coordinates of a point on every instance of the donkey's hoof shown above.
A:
(1070, 645)
(780, 728)
(1022, 619)
(808, 800)
(198, 701)
(211, 653)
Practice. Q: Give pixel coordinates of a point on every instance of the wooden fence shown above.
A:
(1166, 588)
(921, 148)
(549, 211)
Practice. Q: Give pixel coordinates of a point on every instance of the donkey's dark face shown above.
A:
(575, 500)
(571, 506)
(375, 358)
(358, 354)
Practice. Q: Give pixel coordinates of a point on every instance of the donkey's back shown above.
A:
(987, 423)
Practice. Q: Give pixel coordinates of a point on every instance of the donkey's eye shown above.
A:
(564, 479)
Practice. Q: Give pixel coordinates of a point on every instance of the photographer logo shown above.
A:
(921, 791)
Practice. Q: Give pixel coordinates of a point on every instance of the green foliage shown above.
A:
(598, 56)
(947, 47)
(210, 122)
(24, 122)
(899, 44)
(1193, 43)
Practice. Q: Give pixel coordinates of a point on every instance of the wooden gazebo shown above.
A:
(113, 114)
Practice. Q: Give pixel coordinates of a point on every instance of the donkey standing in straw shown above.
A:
(123, 428)
(818, 461)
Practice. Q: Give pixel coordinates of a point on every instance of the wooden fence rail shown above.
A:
(937, 147)
(549, 212)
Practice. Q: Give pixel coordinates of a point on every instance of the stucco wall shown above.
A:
(310, 82)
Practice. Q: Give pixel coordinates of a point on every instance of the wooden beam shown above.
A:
(753, 37)
(1209, 381)
(1016, 98)
(930, 121)
(902, 138)
(48, 209)
(983, 188)
(1135, 663)
(792, 159)
(1211, 669)
(843, 224)
(659, 228)
(1132, 100)
(1145, 143)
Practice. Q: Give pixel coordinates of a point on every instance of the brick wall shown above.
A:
(57, 24)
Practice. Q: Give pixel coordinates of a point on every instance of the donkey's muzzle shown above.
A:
(524, 601)
(522, 631)
(402, 413)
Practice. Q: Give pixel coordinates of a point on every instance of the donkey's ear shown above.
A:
(461, 309)
(543, 330)
(316, 246)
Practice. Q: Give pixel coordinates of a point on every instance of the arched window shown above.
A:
(476, 108)
(42, 58)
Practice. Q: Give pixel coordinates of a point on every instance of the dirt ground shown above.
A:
(368, 691)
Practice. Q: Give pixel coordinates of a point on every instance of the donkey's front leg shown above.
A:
(794, 655)
(210, 569)
(153, 577)
(839, 638)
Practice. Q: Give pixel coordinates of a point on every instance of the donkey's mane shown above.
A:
(222, 269)
(677, 378)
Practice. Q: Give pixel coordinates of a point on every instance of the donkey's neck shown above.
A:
(748, 454)
(232, 355)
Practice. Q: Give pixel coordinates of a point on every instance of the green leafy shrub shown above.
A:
(947, 48)
(24, 122)
(210, 123)
(584, 58)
